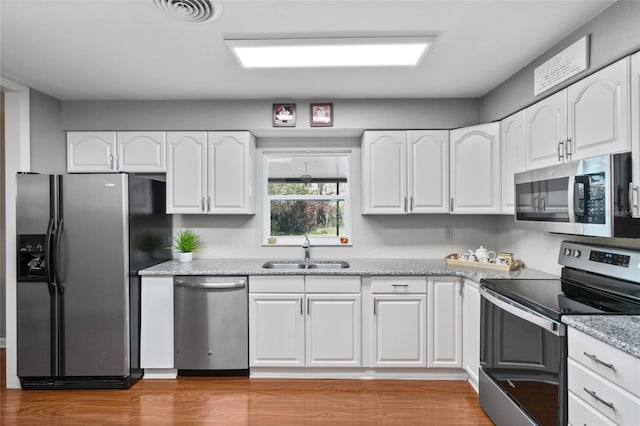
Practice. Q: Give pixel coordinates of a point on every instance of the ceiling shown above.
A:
(128, 49)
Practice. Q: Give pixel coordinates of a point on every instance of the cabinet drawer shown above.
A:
(399, 285)
(277, 284)
(624, 368)
(335, 284)
(581, 413)
(615, 403)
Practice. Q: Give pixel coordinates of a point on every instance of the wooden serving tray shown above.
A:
(452, 259)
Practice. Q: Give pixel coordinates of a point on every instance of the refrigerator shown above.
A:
(81, 240)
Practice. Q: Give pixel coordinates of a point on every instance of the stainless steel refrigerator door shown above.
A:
(93, 266)
(34, 330)
(211, 323)
(33, 203)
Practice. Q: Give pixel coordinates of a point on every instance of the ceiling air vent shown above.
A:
(190, 10)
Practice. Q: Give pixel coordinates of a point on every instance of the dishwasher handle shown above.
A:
(211, 285)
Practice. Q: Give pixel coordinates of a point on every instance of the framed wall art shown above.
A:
(321, 115)
(284, 115)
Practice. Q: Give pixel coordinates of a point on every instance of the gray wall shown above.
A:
(350, 116)
(613, 34)
(48, 140)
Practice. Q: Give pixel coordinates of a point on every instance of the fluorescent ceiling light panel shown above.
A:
(330, 52)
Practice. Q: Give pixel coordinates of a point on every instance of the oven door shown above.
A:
(523, 363)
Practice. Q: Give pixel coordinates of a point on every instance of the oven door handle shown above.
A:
(522, 312)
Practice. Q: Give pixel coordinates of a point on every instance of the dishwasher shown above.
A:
(211, 325)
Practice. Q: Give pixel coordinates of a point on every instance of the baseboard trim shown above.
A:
(358, 373)
(3, 342)
(160, 373)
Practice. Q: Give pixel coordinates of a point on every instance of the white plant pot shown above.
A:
(185, 256)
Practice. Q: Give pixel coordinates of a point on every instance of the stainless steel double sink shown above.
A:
(308, 264)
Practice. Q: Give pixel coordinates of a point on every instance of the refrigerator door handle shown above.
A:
(48, 261)
(57, 268)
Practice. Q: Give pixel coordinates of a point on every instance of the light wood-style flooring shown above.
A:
(243, 401)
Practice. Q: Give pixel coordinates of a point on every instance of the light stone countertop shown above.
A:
(363, 267)
(620, 331)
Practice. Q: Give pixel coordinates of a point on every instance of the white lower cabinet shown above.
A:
(444, 323)
(399, 326)
(276, 330)
(156, 327)
(471, 330)
(291, 328)
(604, 379)
(333, 330)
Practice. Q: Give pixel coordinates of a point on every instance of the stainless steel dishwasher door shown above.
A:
(211, 323)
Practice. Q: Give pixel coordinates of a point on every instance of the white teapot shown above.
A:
(484, 255)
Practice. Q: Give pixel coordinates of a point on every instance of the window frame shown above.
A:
(281, 241)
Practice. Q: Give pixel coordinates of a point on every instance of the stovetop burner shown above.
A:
(589, 285)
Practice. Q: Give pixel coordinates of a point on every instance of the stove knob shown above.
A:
(576, 253)
(567, 252)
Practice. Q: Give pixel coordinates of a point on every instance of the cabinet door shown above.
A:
(91, 152)
(384, 172)
(399, 330)
(186, 172)
(471, 330)
(545, 131)
(635, 136)
(475, 169)
(598, 110)
(141, 152)
(231, 164)
(512, 152)
(444, 323)
(333, 333)
(428, 171)
(276, 330)
(156, 322)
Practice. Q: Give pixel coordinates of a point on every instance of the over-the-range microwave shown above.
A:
(584, 197)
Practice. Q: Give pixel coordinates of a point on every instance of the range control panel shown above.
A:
(616, 262)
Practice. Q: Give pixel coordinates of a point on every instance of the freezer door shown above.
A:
(93, 267)
(35, 336)
(33, 203)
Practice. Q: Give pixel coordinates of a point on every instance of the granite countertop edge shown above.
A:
(620, 331)
(359, 267)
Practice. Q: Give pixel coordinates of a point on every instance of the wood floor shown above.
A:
(243, 401)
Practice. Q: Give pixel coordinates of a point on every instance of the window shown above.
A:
(307, 193)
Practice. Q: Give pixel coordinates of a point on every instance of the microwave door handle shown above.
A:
(578, 201)
(522, 312)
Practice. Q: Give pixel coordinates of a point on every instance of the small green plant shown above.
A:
(186, 241)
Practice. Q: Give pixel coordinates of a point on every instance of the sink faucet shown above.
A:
(306, 245)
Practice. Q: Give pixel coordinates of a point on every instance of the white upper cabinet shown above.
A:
(635, 133)
(598, 110)
(444, 323)
(546, 131)
(428, 171)
(512, 153)
(91, 152)
(384, 172)
(186, 172)
(230, 183)
(405, 172)
(589, 118)
(115, 152)
(141, 151)
(475, 169)
(210, 173)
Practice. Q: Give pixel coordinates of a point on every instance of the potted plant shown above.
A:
(185, 243)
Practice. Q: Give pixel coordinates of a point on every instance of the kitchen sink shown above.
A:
(301, 264)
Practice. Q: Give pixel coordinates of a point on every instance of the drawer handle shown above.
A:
(599, 361)
(597, 398)
(400, 285)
